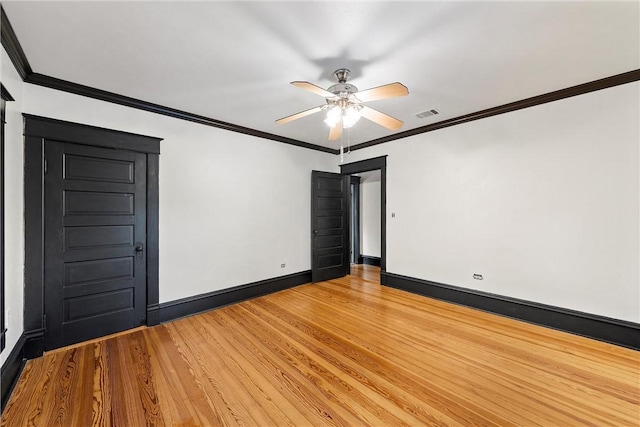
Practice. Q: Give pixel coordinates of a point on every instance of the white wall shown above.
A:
(13, 205)
(232, 207)
(543, 202)
(370, 216)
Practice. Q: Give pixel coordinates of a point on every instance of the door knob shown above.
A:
(139, 247)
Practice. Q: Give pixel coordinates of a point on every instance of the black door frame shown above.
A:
(5, 97)
(377, 163)
(354, 219)
(36, 130)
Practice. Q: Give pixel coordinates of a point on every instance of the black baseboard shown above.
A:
(11, 369)
(153, 317)
(369, 260)
(34, 346)
(29, 345)
(172, 310)
(614, 331)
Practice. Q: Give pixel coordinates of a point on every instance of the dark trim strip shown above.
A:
(354, 222)
(60, 130)
(33, 232)
(364, 165)
(4, 93)
(29, 345)
(369, 260)
(34, 346)
(153, 233)
(153, 314)
(102, 95)
(3, 104)
(581, 89)
(614, 331)
(172, 310)
(12, 46)
(11, 369)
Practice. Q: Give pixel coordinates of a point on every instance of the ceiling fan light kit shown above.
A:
(348, 114)
(344, 104)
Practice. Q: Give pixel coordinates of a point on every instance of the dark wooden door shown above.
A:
(95, 237)
(329, 225)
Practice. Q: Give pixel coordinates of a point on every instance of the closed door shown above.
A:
(329, 226)
(95, 237)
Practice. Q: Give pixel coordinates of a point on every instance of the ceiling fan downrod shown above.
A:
(342, 75)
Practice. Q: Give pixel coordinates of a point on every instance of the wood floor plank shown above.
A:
(399, 370)
(334, 351)
(336, 386)
(253, 392)
(346, 352)
(101, 415)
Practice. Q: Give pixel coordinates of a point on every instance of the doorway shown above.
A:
(91, 225)
(369, 165)
(365, 225)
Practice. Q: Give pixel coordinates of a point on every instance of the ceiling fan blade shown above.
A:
(336, 131)
(299, 115)
(382, 92)
(313, 88)
(380, 118)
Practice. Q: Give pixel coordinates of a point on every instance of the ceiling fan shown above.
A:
(344, 104)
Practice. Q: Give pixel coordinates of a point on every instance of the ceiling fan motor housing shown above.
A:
(343, 90)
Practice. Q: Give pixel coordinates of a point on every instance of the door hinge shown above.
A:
(46, 166)
(44, 321)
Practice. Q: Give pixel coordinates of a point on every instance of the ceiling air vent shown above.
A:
(427, 113)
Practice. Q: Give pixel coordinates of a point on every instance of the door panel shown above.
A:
(85, 238)
(97, 203)
(329, 225)
(92, 169)
(95, 215)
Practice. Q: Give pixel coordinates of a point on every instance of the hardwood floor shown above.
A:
(342, 352)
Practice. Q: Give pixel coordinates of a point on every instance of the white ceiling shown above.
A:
(233, 61)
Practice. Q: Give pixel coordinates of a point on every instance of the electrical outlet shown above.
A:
(283, 265)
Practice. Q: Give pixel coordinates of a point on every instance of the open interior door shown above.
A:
(329, 225)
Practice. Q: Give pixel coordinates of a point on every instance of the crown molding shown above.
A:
(4, 93)
(618, 79)
(14, 50)
(12, 46)
(16, 54)
(103, 95)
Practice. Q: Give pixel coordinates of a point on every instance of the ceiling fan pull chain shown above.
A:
(342, 147)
